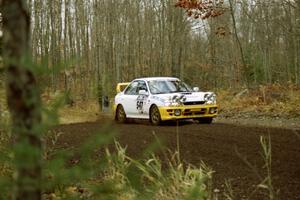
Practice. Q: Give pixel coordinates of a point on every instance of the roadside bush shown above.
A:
(268, 100)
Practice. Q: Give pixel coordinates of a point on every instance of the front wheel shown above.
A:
(205, 120)
(155, 116)
(120, 114)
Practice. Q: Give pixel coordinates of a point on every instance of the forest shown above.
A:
(60, 130)
(98, 43)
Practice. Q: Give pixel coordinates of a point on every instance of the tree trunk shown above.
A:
(237, 37)
(23, 99)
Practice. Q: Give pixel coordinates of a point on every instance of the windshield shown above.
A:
(168, 86)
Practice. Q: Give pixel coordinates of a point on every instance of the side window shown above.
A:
(132, 89)
(142, 86)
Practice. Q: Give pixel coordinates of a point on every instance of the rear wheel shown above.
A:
(205, 120)
(120, 114)
(155, 116)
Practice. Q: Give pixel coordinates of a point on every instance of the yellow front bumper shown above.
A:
(188, 112)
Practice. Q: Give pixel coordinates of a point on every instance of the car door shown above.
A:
(130, 99)
(142, 100)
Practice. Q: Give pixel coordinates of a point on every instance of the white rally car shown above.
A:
(164, 98)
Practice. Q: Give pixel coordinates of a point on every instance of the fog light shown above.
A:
(177, 112)
(212, 110)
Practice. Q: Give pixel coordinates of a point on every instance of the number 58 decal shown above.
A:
(140, 101)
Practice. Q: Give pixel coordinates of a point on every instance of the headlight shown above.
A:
(171, 101)
(210, 98)
(177, 112)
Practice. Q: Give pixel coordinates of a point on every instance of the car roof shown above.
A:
(156, 78)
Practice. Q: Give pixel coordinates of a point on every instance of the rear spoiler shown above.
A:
(121, 86)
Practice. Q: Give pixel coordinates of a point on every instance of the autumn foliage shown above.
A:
(202, 9)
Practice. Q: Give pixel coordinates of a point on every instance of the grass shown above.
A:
(76, 112)
(124, 178)
(79, 112)
(267, 183)
(264, 101)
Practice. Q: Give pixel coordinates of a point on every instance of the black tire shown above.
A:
(205, 120)
(120, 114)
(155, 118)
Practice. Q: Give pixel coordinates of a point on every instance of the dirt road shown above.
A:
(224, 147)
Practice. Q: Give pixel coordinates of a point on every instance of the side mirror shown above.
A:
(143, 92)
(196, 89)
